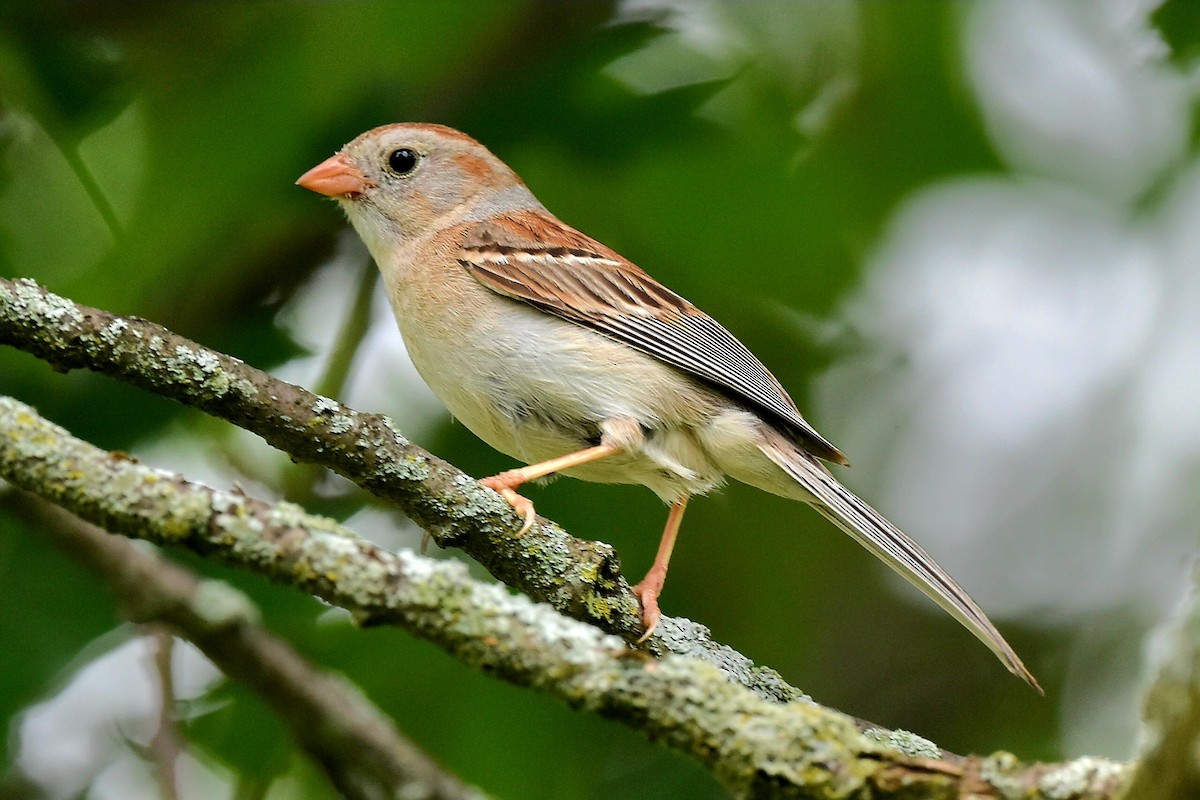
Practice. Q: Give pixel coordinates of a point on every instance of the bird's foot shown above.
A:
(503, 484)
(647, 592)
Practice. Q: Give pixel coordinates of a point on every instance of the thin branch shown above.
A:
(300, 479)
(165, 745)
(578, 577)
(356, 745)
(70, 153)
(350, 337)
(755, 747)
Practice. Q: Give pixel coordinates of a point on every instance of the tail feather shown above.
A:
(889, 544)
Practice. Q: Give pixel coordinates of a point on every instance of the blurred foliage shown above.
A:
(147, 154)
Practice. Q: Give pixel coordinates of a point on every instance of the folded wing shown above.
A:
(534, 258)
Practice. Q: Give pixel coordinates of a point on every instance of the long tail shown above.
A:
(889, 544)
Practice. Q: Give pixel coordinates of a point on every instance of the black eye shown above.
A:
(402, 161)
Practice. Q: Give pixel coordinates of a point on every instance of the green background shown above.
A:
(147, 160)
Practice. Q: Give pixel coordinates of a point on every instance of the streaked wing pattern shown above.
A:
(542, 262)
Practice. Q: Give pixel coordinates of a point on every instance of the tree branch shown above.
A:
(357, 746)
(578, 577)
(166, 744)
(755, 747)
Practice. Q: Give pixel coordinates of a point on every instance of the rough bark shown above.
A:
(756, 747)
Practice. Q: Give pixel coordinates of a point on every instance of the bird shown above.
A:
(561, 353)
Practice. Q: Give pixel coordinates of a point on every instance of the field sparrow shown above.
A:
(559, 352)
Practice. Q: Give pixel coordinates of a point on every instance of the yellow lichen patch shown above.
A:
(175, 528)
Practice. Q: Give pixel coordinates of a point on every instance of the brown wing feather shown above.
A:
(535, 258)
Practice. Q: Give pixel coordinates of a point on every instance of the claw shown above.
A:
(647, 592)
(522, 505)
(649, 587)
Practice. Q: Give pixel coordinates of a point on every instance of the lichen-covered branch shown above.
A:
(579, 577)
(755, 747)
(546, 563)
(357, 746)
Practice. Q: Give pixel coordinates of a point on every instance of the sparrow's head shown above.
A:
(400, 181)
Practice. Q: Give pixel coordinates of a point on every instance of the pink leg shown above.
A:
(506, 482)
(649, 587)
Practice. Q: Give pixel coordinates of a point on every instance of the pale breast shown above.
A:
(535, 387)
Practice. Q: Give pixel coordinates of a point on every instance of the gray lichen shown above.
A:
(1082, 777)
(771, 741)
(688, 703)
(30, 302)
(905, 741)
(1005, 772)
(756, 747)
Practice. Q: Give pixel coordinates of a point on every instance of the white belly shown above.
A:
(536, 387)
